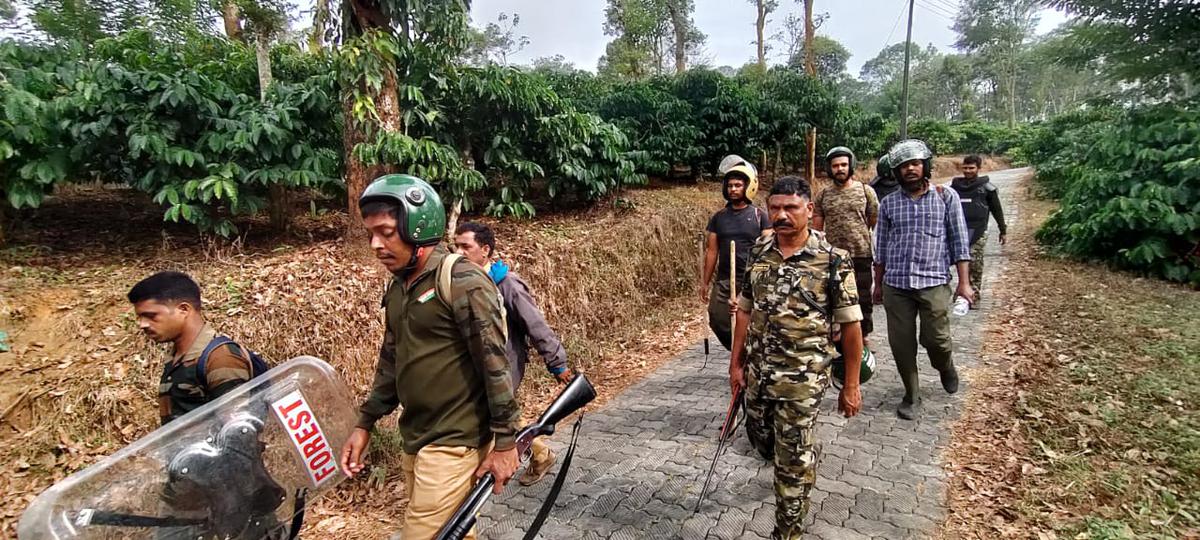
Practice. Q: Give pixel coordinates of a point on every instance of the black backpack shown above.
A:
(258, 366)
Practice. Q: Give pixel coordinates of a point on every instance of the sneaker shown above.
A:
(908, 410)
(950, 380)
(535, 471)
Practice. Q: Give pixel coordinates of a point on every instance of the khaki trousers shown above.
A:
(932, 307)
(438, 479)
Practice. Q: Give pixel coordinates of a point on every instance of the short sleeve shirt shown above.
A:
(847, 212)
(788, 336)
(743, 227)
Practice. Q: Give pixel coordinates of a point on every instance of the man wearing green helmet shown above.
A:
(846, 212)
(443, 359)
(884, 182)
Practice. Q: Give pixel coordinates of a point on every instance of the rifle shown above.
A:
(728, 430)
(577, 394)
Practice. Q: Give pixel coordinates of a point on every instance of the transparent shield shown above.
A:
(239, 467)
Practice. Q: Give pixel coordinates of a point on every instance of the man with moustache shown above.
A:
(980, 200)
(782, 345)
(443, 360)
(846, 212)
(921, 232)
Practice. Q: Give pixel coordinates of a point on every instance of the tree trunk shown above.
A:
(679, 24)
(358, 174)
(262, 54)
(810, 55)
(457, 206)
(231, 16)
(277, 193)
(810, 66)
(316, 40)
(760, 25)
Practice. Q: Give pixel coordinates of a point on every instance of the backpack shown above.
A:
(445, 270)
(258, 366)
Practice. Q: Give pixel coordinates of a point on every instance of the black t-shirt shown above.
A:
(743, 227)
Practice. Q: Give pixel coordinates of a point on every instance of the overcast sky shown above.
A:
(575, 28)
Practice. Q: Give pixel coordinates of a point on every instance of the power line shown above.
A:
(935, 8)
(935, 11)
(896, 24)
(947, 4)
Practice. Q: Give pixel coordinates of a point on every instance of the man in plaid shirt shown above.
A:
(920, 233)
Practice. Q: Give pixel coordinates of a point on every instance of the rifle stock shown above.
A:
(727, 432)
(577, 394)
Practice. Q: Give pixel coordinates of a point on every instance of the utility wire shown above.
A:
(935, 11)
(903, 8)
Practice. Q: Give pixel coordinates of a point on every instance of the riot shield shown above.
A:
(241, 467)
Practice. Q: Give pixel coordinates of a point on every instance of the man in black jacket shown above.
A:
(980, 200)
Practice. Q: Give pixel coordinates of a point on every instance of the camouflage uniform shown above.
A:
(788, 357)
(848, 212)
(977, 264)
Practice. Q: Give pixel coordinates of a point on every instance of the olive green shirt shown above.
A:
(445, 366)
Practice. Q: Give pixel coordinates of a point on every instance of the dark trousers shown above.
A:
(718, 313)
(863, 279)
(903, 307)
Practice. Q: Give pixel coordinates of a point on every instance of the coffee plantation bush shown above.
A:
(1129, 183)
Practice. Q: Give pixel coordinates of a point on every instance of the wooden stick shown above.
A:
(732, 269)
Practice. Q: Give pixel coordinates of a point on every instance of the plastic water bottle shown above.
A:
(961, 306)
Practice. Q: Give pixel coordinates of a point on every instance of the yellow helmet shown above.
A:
(734, 164)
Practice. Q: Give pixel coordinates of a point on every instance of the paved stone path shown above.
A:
(642, 458)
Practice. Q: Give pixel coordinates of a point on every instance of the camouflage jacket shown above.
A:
(788, 337)
(446, 366)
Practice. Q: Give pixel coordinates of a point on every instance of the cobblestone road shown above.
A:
(642, 458)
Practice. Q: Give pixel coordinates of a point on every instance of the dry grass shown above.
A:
(617, 282)
(1083, 422)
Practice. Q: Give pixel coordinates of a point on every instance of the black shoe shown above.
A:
(950, 380)
(908, 411)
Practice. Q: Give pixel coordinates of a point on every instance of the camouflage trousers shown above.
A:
(977, 264)
(783, 431)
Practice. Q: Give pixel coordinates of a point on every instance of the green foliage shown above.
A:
(1150, 44)
(971, 137)
(182, 123)
(1130, 188)
(657, 122)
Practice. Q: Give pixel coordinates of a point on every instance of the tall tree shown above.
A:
(762, 9)
(389, 41)
(829, 58)
(641, 36)
(1152, 45)
(687, 37)
(265, 21)
(496, 41)
(810, 67)
(997, 30)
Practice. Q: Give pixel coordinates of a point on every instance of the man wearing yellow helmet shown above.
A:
(740, 222)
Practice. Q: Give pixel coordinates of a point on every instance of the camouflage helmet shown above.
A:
(836, 152)
(908, 150)
(421, 219)
(865, 371)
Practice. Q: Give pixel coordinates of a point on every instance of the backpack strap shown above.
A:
(202, 362)
(833, 288)
(445, 272)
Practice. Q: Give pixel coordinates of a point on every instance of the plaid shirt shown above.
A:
(917, 240)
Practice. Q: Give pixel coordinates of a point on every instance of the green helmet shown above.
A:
(422, 218)
(836, 152)
(864, 372)
(908, 150)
